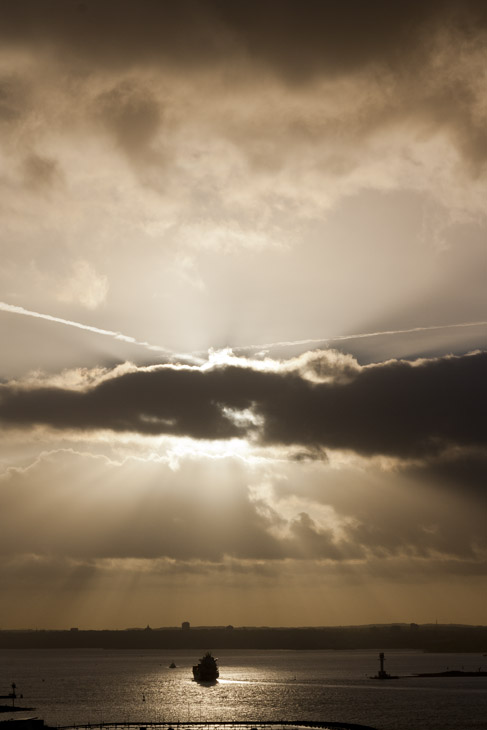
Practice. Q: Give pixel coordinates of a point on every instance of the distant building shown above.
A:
(75, 628)
(185, 626)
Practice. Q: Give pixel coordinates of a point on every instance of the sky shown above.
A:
(242, 312)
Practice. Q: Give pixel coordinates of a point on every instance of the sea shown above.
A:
(71, 687)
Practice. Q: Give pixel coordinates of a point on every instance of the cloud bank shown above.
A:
(398, 408)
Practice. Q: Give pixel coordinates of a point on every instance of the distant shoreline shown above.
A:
(426, 638)
(452, 673)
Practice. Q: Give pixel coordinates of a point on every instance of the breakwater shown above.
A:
(248, 725)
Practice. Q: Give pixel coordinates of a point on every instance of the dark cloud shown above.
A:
(41, 172)
(131, 114)
(413, 510)
(116, 34)
(397, 408)
(12, 99)
(407, 570)
(305, 39)
(418, 528)
(17, 110)
(387, 46)
(34, 572)
(464, 473)
(311, 542)
(294, 39)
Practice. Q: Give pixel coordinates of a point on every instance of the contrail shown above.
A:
(4, 307)
(284, 343)
(359, 336)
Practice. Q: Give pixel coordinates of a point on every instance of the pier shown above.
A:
(245, 725)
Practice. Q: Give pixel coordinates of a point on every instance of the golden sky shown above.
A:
(242, 308)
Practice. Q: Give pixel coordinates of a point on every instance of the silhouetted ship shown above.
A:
(207, 669)
(172, 665)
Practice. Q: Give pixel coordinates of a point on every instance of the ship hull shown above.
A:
(202, 675)
(207, 669)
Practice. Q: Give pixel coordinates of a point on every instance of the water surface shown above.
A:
(79, 686)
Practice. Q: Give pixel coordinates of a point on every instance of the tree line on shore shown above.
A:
(446, 638)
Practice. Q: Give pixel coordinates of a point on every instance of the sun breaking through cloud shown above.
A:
(290, 196)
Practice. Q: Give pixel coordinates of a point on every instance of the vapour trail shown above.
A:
(4, 307)
(13, 309)
(359, 336)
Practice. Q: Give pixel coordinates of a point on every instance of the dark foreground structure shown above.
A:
(36, 724)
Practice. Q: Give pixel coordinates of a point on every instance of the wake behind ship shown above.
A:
(207, 669)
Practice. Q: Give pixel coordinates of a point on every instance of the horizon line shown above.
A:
(206, 627)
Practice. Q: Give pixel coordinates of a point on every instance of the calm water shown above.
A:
(76, 686)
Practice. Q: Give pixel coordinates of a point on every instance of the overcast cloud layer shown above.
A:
(225, 140)
(305, 184)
